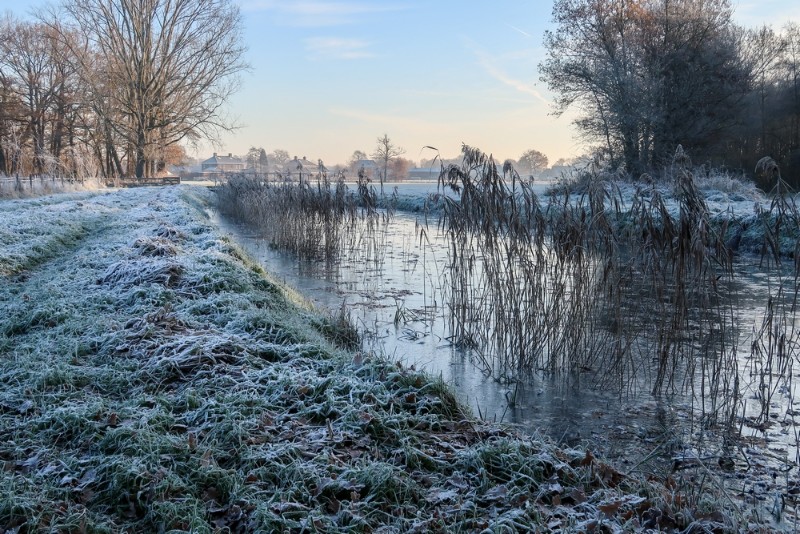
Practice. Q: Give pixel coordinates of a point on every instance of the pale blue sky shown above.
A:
(329, 77)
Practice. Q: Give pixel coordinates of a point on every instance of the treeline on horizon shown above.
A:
(649, 75)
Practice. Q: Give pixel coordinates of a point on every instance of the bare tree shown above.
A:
(280, 156)
(27, 54)
(252, 157)
(533, 161)
(9, 101)
(770, 117)
(165, 67)
(791, 68)
(764, 50)
(399, 167)
(257, 159)
(385, 152)
(358, 155)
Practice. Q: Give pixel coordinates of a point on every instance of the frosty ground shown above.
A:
(153, 378)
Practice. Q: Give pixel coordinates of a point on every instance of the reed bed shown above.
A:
(632, 292)
(313, 221)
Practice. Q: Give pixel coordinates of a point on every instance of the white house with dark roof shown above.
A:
(222, 164)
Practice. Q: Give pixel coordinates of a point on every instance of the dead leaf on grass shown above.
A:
(497, 493)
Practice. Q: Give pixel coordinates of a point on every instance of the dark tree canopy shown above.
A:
(647, 75)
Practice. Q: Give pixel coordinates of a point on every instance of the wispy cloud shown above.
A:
(490, 65)
(337, 48)
(526, 34)
(315, 13)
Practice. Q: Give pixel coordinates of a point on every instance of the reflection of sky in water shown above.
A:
(404, 283)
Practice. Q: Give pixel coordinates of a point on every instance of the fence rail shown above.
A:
(30, 180)
(140, 182)
(28, 183)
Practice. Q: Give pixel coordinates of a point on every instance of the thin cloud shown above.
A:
(337, 48)
(492, 69)
(312, 13)
(526, 34)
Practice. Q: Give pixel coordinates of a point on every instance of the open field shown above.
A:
(154, 379)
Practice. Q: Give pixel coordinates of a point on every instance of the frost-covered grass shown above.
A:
(155, 379)
(43, 185)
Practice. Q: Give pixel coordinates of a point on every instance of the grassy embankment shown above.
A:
(153, 379)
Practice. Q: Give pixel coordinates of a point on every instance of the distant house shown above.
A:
(424, 173)
(222, 164)
(302, 168)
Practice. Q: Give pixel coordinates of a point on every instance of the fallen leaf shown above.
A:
(334, 505)
(609, 509)
(211, 494)
(458, 482)
(496, 493)
(365, 417)
(281, 507)
(438, 496)
(578, 495)
(87, 478)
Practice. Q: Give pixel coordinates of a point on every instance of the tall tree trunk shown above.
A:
(141, 162)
